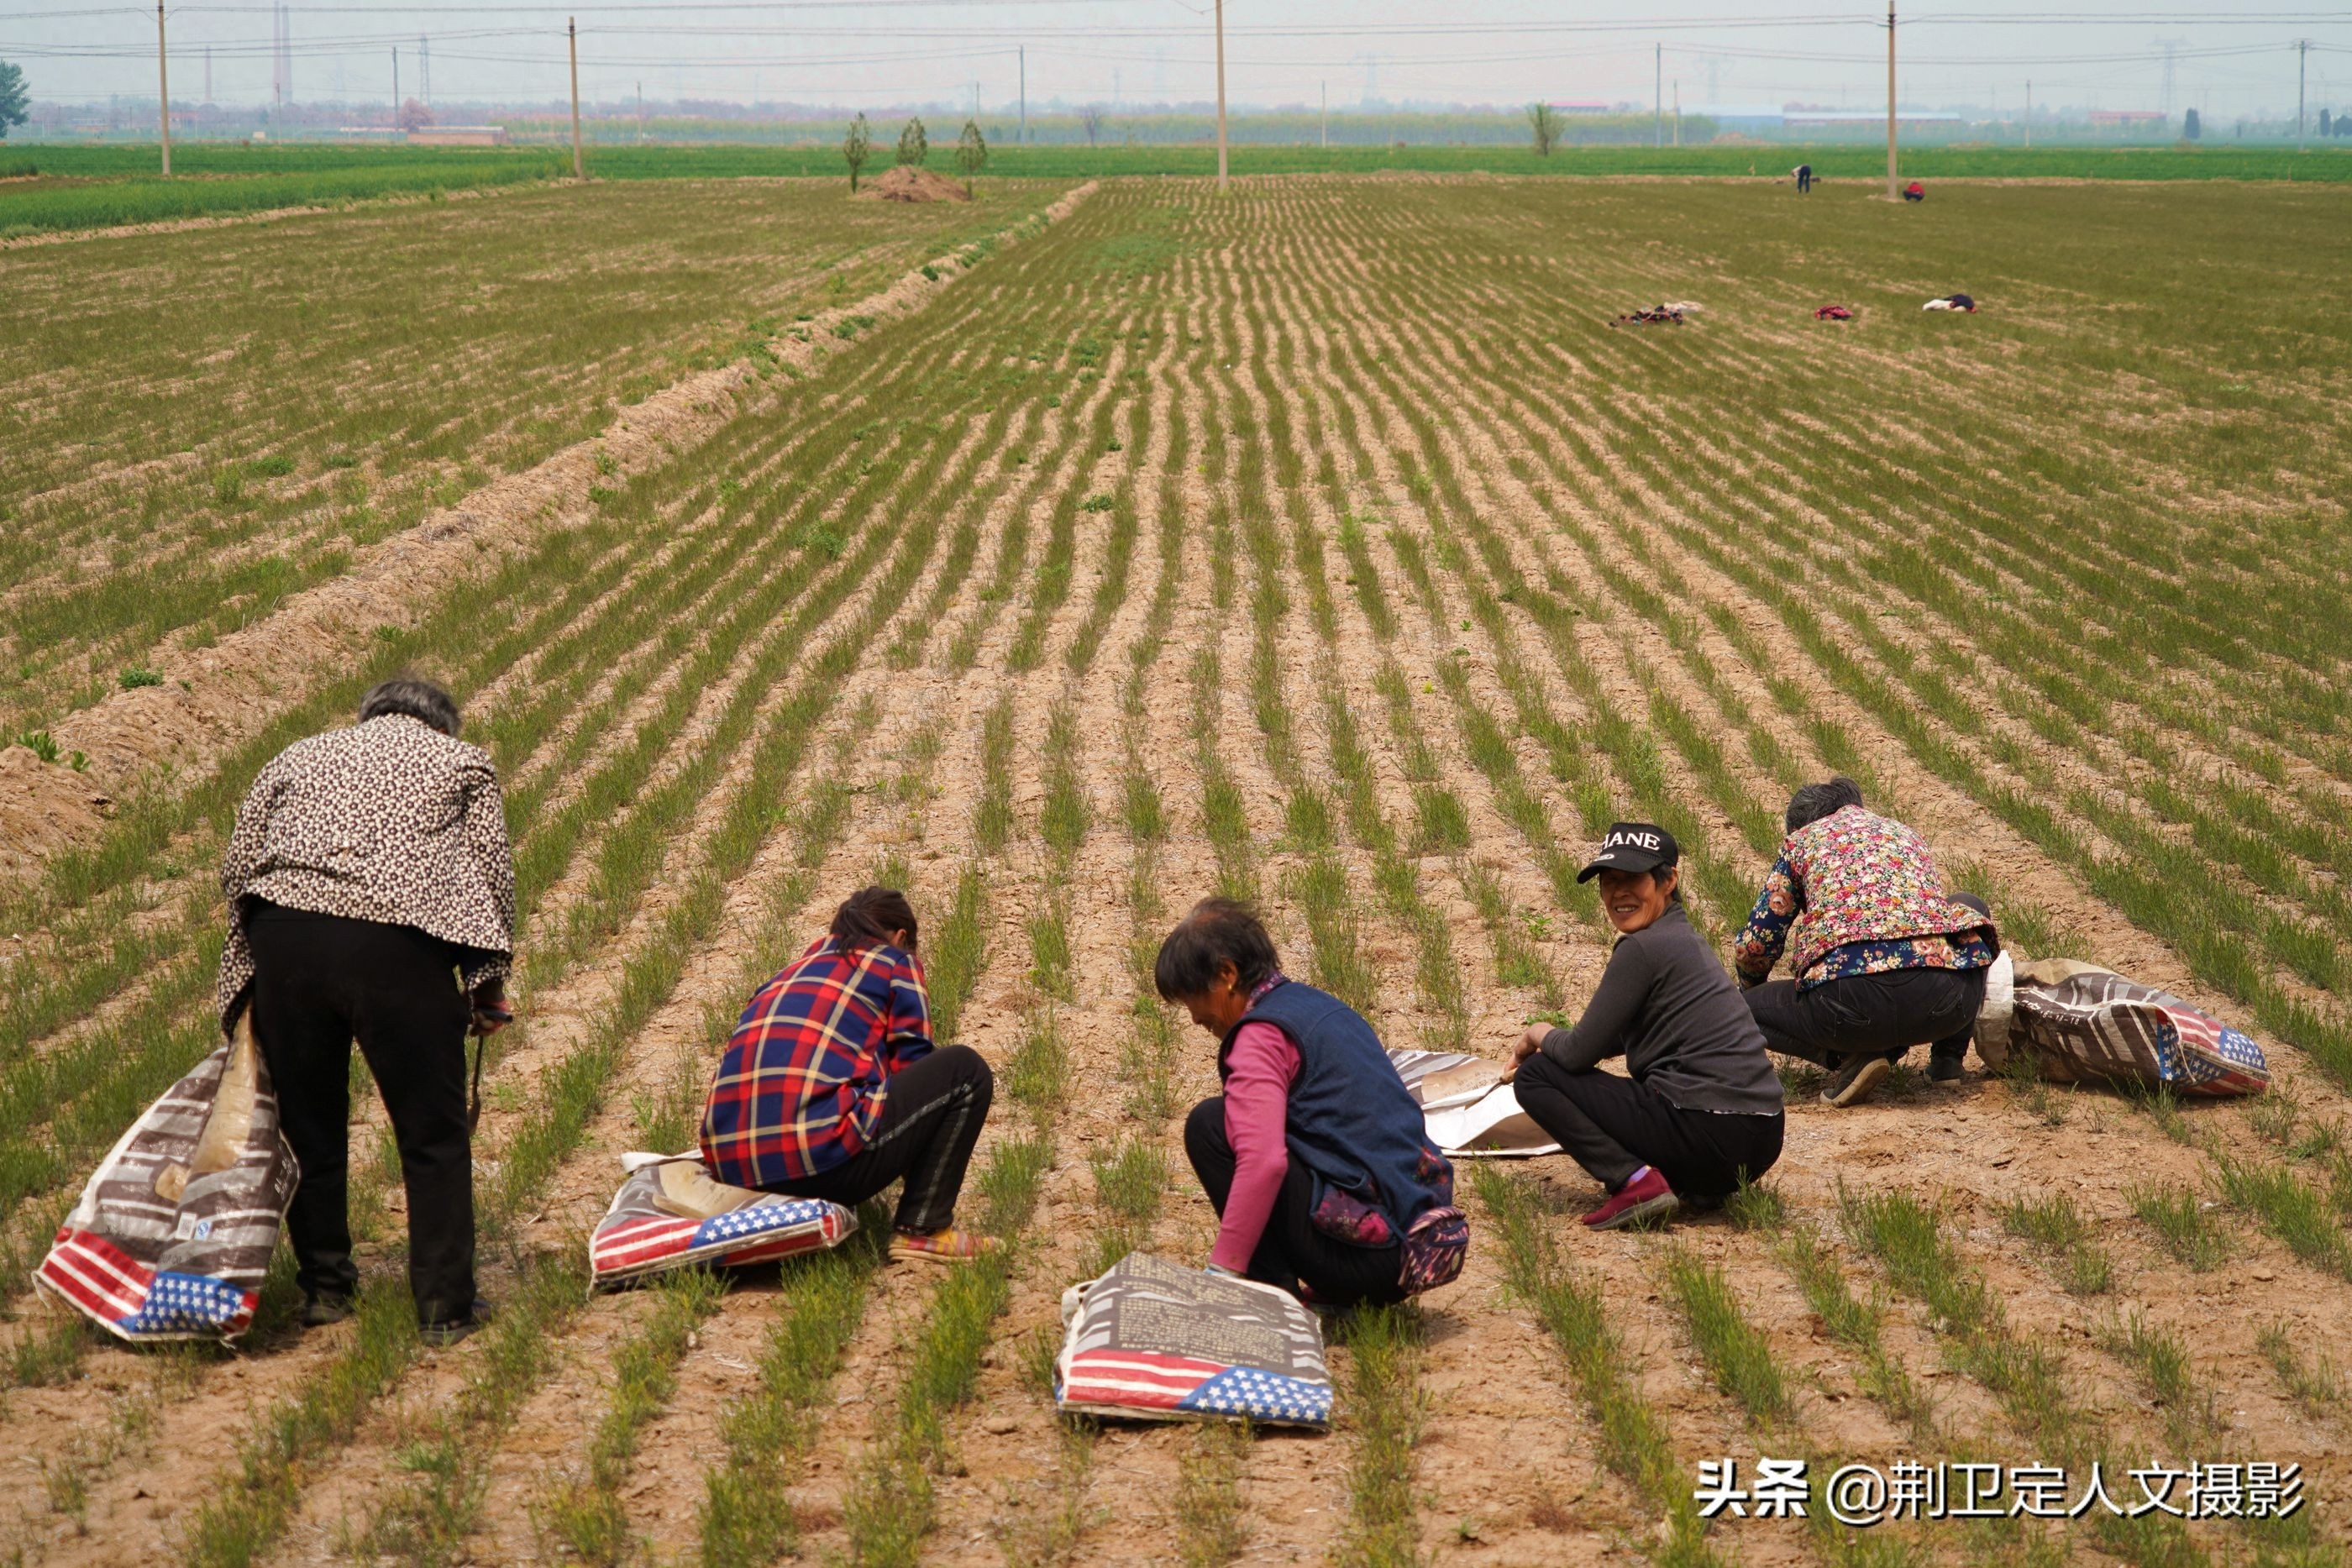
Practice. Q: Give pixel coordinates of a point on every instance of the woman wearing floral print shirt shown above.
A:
(1880, 956)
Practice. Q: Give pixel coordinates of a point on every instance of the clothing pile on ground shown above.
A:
(2085, 1023)
(174, 1231)
(1952, 301)
(1158, 1341)
(1833, 313)
(669, 1214)
(1663, 314)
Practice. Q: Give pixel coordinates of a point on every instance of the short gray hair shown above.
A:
(420, 700)
(1810, 803)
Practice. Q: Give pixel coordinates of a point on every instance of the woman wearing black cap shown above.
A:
(1701, 1111)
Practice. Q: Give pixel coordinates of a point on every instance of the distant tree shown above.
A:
(13, 100)
(913, 145)
(971, 151)
(1091, 117)
(2325, 128)
(1544, 120)
(2191, 128)
(414, 116)
(856, 147)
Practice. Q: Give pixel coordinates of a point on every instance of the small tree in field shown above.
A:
(856, 147)
(2190, 130)
(913, 145)
(1091, 117)
(1544, 120)
(971, 151)
(414, 116)
(13, 98)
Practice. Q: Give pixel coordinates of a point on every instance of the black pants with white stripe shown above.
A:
(929, 1123)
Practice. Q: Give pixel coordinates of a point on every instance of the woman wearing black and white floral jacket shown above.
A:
(371, 896)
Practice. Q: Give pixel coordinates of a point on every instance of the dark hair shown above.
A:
(420, 700)
(872, 915)
(1810, 803)
(1219, 931)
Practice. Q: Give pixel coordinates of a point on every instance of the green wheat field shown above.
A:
(1073, 553)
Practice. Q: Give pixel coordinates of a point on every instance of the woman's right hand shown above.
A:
(1528, 1044)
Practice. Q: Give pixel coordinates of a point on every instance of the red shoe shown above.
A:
(1644, 1200)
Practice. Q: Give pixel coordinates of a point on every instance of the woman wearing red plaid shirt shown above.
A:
(832, 1088)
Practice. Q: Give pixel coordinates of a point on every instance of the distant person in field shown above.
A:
(371, 896)
(1914, 192)
(831, 1086)
(1804, 178)
(1699, 1110)
(1316, 1156)
(1881, 957)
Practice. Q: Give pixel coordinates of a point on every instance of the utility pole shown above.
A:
(571, 31)
(1024, 51)
(1327, 115)
(163, 89)
(1658, 94)
(1678, 111)
(641, 111)
(2029, 114)
(425, 69)
(395, 90)
(1221, 169)
(1892, 191)
(2302, 66)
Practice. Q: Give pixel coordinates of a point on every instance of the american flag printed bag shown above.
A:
(669, 1214)
(175, 1228)
(2082, 1021)
(1158, 1342)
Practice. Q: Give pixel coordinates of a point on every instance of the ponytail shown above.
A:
(871, 918)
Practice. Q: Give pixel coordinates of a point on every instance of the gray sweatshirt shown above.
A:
(1667, 1006)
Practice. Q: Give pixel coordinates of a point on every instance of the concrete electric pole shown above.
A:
(1658, 94)
(2302, 68)
(572, 32)
(163, 89)
(1893, 191)
(1220, 94)
(1023, 52)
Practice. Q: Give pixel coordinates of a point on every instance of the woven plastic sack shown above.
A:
(1438, 1078)
(1158, 1342)
(669, 1214)
(175, 1228)
(2083, 1022)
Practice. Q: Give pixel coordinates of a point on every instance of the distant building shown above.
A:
(2131, 119)
(1836, 119)
(458, 136)
(1585, 106)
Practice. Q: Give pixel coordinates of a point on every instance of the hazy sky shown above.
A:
(2231, 58)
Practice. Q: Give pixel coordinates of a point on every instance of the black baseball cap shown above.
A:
(1634, 847)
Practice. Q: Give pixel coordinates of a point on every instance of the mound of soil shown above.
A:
(907, 183)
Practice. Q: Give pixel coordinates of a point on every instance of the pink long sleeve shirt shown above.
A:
(1259, 1071)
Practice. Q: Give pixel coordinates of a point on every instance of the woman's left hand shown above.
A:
(491, 1012)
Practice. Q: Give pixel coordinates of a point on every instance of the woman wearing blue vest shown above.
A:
(1317, 1158)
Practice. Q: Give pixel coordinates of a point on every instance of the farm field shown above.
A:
(51, 188)
(1322, 543)
(200, 424)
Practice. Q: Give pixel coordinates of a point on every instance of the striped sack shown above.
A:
(175, 1230)
(2085, 1022)
(669, 1215)
(1158, 1341)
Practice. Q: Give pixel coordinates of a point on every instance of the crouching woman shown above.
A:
(1317, 1158)
(1701, 1109)
(831, 1086)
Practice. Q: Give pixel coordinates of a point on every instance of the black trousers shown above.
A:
(1805, 181)
(929, 1124)
(1613, 1127)
(1292, 1251)
(1886, 1013)
(320, 982)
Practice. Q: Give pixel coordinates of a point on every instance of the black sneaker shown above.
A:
(1946, 1068)
(320, 1311)
(442, 1335)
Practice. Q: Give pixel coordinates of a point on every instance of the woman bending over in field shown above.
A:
(1315, 1155)
(831, 1086)
(1701, 1111)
